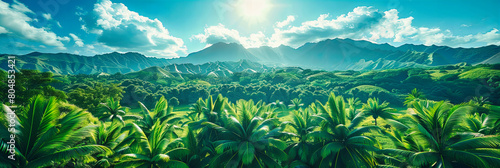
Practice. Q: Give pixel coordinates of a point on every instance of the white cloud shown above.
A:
(125, 30)
(22, 46)
(363, 23)
(15, 22)
(16, 5)
(47, 16)
(3, 30)
(77, 40)
(219, 33)
(286, 22)
(353, 25)
(490, 38)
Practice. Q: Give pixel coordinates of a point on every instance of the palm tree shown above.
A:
(342, 144)
(415, 95)
(162, 113)
(247, 140)
(404, 140)
(112, 137)
(209, 111)
(298, 150)
(296, 104)
(43, 136)
(198, 154)
(376, 110)
(155, 149)
(481, 104)
(437, 127)
(353, 104)
(112, 110)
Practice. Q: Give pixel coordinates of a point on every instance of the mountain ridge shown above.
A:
(330, 54)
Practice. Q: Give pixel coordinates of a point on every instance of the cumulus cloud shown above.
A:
(363, 23)
(78, 41)
(286, 22)
(219, 33)
(353, 25)
(367, 23)
(15, 21)
(124, 30)
(491, 38)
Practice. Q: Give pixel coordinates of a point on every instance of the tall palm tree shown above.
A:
(343, 144)
(437, 127)
(114, 138)
(44, 137)
(247, 140)
(154, 150)
(376, 110)
(162, 113)
(112, 110)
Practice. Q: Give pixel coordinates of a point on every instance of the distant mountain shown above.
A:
(218, 52)
(331, 54)
(216, 69)
(345, 54)
(63, 63)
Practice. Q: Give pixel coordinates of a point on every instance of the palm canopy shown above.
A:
(45, 137)
(414, 95)
(303, 123)
(112, 110)
(247, 139)
(114, 138)
(353, 104)
(484, 124)
(375, 109)
(212, 111)
(437, 127)
(154, 150)
(296, 104)
(342, 144)
(161, 113)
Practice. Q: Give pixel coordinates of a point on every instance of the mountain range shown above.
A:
(331, 54)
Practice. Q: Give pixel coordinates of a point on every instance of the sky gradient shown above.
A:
(175, 28)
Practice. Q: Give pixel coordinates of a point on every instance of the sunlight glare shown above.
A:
(254, 10)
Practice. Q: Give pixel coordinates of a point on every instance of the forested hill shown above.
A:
(64, 63)
(332, 54)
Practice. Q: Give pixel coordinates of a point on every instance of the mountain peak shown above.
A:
(34, 53)
(223, 44)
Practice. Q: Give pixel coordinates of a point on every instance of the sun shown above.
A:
(254, 10)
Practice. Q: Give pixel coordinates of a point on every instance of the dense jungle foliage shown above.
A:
(438, 117)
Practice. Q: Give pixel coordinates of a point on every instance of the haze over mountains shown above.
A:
(332, 54)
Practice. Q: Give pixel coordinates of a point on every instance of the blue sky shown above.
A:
(173, 28)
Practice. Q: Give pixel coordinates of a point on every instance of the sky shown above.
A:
(174, 28)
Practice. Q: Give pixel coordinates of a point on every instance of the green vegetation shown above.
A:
(285, 118)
